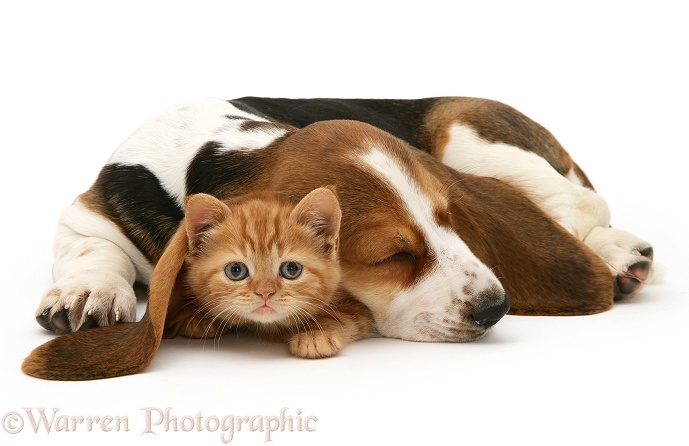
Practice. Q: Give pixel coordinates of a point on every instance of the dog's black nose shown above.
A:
(490, 315)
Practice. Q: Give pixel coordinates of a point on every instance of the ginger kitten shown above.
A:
(270, 266)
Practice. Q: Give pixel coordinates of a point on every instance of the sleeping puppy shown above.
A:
(422, 242)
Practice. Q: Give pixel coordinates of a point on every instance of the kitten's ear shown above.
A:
(201, 213)
(321, 211)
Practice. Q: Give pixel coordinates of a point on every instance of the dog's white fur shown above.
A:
(578, 209)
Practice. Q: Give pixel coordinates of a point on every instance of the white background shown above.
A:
(607, 78)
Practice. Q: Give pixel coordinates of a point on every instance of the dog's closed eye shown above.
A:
(398, 257)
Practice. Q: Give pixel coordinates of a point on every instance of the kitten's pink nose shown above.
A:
(265, 290)
(265, 294)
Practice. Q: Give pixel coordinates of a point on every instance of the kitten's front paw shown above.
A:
(87, 300)
(316, 344)
(629, 258)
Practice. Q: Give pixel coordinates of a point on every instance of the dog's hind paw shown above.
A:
(85, 301)
(629, 258)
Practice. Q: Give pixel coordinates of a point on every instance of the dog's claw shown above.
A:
(43, 319)
(627, 284)
(648, 252)
(90, 323)
(640, 270)
(60, 321)
(635, 276)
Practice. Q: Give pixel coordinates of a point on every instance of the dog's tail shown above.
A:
(114, 350)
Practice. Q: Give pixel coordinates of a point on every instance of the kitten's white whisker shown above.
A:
(312, 318)
(303, 323)
(325, 304)
(332, 314)
(228, 321)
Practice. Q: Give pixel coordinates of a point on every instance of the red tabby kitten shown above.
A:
(270, 266)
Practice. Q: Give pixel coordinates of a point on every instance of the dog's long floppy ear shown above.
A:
(544, 269)
(202, 213)
(115, 350)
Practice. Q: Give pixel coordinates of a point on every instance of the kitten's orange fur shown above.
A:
(233, 275)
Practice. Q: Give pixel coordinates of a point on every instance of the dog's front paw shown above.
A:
(316, 344)
(86, 300)
(629, 258)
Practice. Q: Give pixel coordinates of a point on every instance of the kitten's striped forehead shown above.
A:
(261, 226)
(265, 228)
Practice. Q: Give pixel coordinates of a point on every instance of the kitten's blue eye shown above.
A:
(290, 270)
(236, 271)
